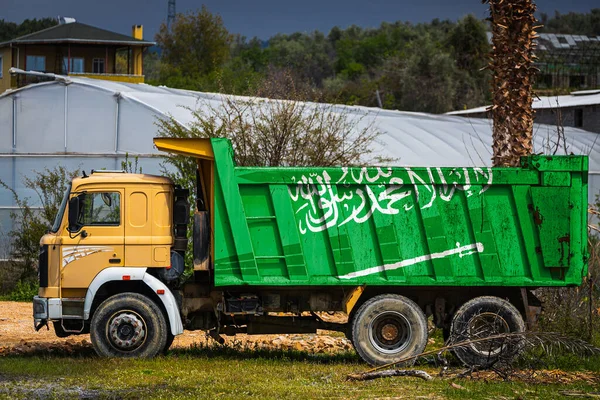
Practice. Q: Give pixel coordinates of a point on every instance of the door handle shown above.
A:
(114, 260)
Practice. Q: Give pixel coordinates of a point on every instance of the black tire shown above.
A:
(128, 325)
(170, 338)
(388, 328)
(481, 317)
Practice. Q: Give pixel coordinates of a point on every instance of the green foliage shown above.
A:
(432, 67)
(572, 23)
(575, 311)
(269, 133)
(131, 167)
(233, 374)
(197, 44)
(305, 54)
(23, 291)
(540, 358)
(11, 30)
(151, 67)
(422, 81)
(469, 44)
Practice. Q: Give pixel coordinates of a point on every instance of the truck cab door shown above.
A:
(99, 243)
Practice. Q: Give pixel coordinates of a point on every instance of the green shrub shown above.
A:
(23, 291)
(31, 222)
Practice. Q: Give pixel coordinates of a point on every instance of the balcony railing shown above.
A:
(20, 80)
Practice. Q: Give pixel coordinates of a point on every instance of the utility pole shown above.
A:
(171, 14)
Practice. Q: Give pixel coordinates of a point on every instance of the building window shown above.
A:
(36, 63)
(75, 67)
(98, 66)
(1, 66)
(578, 117)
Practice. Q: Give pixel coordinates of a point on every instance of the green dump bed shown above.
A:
(400, 226)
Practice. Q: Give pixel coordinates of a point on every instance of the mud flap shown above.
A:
(201, 240)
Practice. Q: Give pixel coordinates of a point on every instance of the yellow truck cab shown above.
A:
(123, 227)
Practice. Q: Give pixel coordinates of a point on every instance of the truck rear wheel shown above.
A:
(128, 325)
(482, 317)
(388, 328)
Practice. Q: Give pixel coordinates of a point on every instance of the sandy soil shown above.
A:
(17, 334)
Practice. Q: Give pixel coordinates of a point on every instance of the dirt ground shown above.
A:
(17, 335)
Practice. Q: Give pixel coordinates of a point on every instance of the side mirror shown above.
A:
(106, 199)
(73, 214)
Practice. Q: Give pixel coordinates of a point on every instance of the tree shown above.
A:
(151, 67)
(197, 44)
(352, 65)
(469, 46)
(30, 224)
(469, 43)
(572, 23)
(275, 133)
(513, 29)
(11, 30)
(306, 54)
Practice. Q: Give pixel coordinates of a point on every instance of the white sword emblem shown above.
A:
(461, 251)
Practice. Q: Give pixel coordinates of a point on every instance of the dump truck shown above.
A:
(273, 249)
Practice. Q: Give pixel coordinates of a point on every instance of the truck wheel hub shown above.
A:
(126, 330)
(390, 332)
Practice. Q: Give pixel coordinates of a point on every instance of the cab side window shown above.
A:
(101, 209)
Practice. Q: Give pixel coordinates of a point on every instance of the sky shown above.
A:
(263, 18)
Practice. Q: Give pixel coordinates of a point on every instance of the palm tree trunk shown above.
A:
(513, 30)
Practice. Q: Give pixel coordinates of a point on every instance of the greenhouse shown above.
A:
(89, 124)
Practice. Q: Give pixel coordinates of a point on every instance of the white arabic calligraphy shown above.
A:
(325, 204)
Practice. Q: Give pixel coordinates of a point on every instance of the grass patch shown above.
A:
(239, 372)
(537, 358)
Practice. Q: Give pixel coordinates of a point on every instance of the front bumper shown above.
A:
(46, 310)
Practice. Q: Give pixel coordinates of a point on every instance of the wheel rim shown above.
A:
(126, 330)
(390, 332)
(484, 325)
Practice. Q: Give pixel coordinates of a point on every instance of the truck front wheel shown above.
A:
(388, 328)
(128, 325)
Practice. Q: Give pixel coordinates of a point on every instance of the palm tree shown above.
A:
(513, 32)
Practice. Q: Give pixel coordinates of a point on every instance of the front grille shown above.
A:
(43, 266)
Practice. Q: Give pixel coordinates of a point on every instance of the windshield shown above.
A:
(61, 210)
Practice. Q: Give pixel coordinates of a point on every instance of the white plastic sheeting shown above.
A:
(89, 123)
